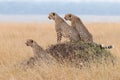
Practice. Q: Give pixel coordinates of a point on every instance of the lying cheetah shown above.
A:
(39, 52)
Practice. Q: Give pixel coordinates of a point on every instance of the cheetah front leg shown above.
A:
(59, 37)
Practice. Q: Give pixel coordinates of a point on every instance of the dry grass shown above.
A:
(14, 51)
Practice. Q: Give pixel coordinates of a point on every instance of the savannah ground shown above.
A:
(13, 51)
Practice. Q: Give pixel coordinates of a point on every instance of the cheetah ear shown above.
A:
(53, 14)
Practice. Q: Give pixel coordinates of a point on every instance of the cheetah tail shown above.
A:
(106, 47)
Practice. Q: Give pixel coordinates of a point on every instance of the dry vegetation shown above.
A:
(13, 51)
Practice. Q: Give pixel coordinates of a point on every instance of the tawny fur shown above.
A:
(84, 34)
(63, 29)
(39, 52)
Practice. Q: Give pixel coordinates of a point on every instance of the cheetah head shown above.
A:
(68, 17)
(29, 42)
(52, 15)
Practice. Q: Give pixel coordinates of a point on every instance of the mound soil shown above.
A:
(79, 52)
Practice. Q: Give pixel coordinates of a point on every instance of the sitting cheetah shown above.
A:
(63, 29)
(76, 22)
(84, 34)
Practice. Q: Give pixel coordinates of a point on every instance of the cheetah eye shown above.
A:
(31, 41)
(53, 14)
(70, 16)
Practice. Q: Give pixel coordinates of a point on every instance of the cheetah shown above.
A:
(76, 22)
(84, 34)
(39, 52)
(63, 29)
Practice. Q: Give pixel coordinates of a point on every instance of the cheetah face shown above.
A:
(52, 16)
(68, 17)
(29, 42)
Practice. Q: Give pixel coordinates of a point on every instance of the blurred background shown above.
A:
(38, 10)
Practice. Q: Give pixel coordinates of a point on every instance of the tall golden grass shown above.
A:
(13, 51)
